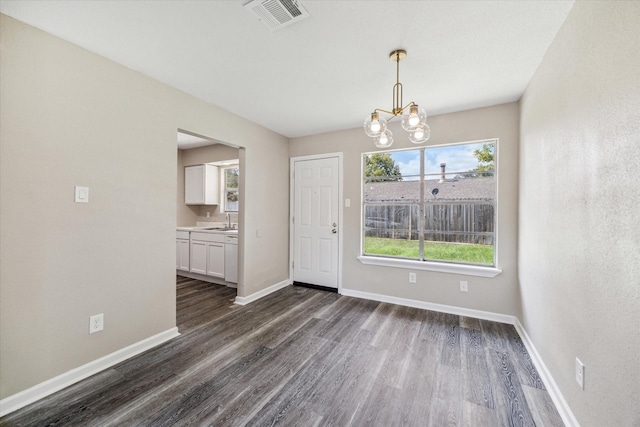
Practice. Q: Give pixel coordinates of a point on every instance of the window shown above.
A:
(433, 204)
(230, 177)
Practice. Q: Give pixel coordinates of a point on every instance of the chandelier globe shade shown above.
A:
(420, 134)
(384, 140)
(374, 125)
(416, 118)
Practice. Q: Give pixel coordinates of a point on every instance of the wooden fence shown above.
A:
(459, 222)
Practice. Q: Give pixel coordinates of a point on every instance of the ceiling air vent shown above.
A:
(276, 14)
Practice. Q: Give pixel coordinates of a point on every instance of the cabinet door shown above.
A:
(201, 185)
(211, 185)
(177, 254)
(199, 257)
(231, 263)
(182, 254)
(215, 260)
(194, 189)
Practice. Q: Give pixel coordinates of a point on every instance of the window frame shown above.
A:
(422, 264)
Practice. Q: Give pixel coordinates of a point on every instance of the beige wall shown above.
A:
(499, 294)
(579, 223)
(186, 216)
(190, 215)
(70, 117)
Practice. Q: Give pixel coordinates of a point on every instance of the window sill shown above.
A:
(440, 267)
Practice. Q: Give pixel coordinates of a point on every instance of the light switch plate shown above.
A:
(82, 194)
(347, 203)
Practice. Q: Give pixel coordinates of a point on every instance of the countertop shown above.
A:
(213, 230)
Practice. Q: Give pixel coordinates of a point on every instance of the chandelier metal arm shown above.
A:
(396, 111)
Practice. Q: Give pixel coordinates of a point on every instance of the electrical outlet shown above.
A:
(580, 373)
(464, 286)
(412, 277)
(96, 323)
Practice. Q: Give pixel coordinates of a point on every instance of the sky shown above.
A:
(459, 158)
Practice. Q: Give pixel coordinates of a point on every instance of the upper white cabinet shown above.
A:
(201, 185)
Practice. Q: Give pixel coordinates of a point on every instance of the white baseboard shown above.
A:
(50, 386)
(257, 295)
(478, 314)
(552, 388)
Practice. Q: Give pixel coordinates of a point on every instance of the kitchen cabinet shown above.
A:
(182, 250)
(207, 254)
(201, 185)
(198, 257)
(215, 260)
(231, 258)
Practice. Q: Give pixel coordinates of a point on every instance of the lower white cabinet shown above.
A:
(231, 258)
(207, 254)
(182, 254)
(198, 257)
(182, 250)
(210, 254)
(215, 260)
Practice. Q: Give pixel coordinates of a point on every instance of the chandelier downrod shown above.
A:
(397, 56)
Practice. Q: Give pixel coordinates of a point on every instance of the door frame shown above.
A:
(292, 162)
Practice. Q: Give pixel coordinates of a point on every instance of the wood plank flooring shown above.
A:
(303, 357)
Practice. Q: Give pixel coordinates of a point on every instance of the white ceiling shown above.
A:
(326, 72)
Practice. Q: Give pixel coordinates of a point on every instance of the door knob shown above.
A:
(334, 231)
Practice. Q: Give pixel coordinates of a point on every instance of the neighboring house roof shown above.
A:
(483, 188)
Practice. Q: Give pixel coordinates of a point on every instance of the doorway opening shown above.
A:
(209, 210)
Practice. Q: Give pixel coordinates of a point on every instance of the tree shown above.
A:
(485, 167)
(231, 176)
(485, 157)
(485, 163)
(383, 166)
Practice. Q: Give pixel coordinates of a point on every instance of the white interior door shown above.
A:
(315, 221)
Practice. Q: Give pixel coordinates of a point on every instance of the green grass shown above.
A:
(477, 254)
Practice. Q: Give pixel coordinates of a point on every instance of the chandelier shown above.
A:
(414, 118)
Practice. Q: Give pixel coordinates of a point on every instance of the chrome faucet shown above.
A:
(228, 220)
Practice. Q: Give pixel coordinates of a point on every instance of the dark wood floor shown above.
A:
(305, 357)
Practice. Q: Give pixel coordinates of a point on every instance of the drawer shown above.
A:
(233, 240)
(207, 237)
(182, 235)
